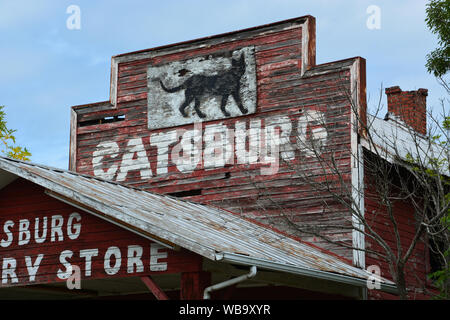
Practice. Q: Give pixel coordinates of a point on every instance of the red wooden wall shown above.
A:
(285, 93)
(417, 268)
(24, 200)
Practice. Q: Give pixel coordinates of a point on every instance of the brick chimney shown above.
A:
(409, 106)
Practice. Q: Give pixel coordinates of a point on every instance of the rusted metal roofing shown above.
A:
(214, 233)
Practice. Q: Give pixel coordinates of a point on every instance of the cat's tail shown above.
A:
(171, 90)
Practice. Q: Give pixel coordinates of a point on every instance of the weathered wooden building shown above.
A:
(185, 178)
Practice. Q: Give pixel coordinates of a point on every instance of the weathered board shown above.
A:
(417, 268)
(211, 87)
(41, 239)
(244, 161)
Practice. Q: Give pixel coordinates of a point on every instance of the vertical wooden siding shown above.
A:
(377, 217)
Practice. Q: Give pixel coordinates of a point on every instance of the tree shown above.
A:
(441, 235)
(438, 63)
(400, 166)
(438, 21)
(8, 141)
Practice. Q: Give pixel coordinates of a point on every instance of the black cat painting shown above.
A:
(224, 84)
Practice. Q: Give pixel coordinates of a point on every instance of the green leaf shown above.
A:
(8, 146)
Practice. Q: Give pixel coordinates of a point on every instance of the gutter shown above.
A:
(318, 274)
(227, 283)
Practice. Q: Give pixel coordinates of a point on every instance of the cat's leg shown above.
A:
(197, 109)
(237, 98)
(187, 100)
(223, 103)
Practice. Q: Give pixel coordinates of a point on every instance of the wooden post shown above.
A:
(193, 284)
(154, 288)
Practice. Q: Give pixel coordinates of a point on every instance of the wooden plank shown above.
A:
(73, 140)
(154, 288)
(193, 284)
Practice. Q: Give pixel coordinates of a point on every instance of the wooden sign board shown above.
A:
(41, 239)
(204, 105)
(174, 124)
(210, 87)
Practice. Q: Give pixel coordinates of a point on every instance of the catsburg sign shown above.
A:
(211, 146)
(41, 245)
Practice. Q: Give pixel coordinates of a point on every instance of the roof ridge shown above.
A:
(33, 164)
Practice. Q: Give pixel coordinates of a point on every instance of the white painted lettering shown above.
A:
(285, 126)
(56, 228)
(6, 228)
(249, 142)
(219, 146)
(37, 238)
(112, 251)
(9, 269)
(87, 254)
(162, 141)
(24, 233)
(73, 231)
(187, 154)
(313, 140)
(134, 259)
(33, 267)
(252, 135)
(270, 151)
(155, 256)
(64, 255)
(134, 158)
(104, 149)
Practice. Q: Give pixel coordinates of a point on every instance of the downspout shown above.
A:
(227, 283)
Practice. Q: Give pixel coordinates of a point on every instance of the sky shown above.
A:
(48, 65)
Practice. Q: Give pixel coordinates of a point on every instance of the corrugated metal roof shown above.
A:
(209, 231)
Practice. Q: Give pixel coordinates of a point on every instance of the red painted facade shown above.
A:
(112, 140)
(417, 268)
(289, 87)
(99, 248)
